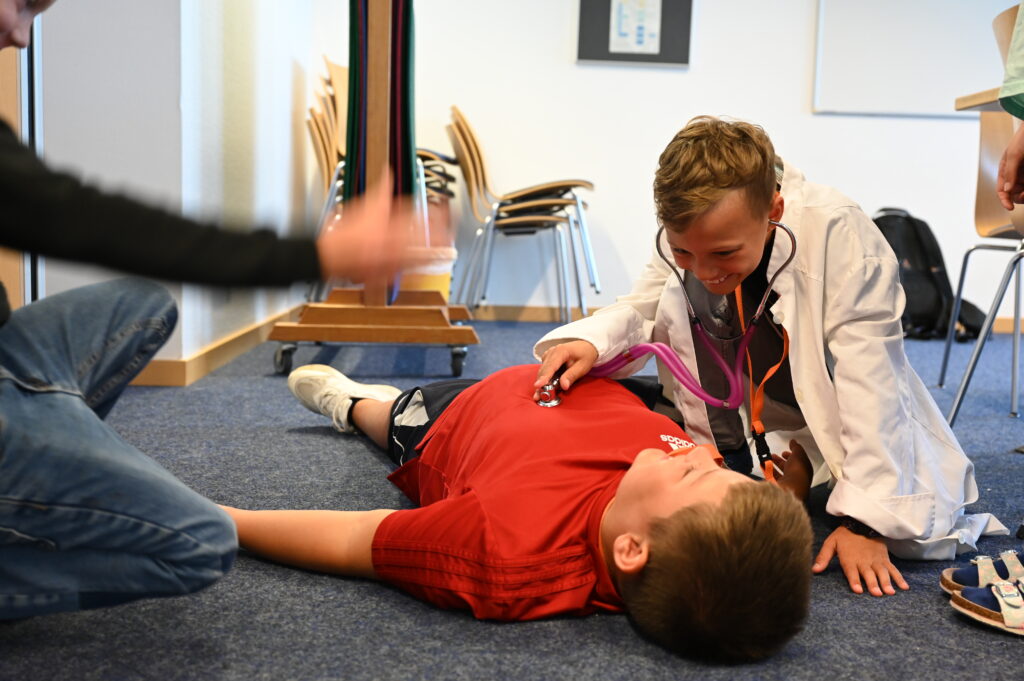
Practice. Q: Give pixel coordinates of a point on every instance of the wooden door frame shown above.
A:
(12, 263)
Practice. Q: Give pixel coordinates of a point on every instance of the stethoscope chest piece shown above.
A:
(549, 395)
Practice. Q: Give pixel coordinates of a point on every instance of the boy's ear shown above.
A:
(777, 207)
(630, 552)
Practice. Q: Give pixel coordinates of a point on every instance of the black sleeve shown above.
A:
(55, 214)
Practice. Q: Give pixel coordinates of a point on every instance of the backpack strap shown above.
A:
(937, 267)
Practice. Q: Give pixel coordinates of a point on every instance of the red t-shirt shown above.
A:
(512, 495)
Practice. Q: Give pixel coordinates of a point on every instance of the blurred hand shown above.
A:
(796, 470)
(374, 237)
(861, 558)
(1010, 180)
(577, 356)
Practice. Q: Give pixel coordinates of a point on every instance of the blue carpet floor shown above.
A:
(239, 437)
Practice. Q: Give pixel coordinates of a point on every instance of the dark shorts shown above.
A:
(415, 410)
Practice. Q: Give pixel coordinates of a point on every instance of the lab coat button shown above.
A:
(779, 317)
(798, 394)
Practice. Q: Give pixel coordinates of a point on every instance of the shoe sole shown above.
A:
(947, 584)
(980, 614)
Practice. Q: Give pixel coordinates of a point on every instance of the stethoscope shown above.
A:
(733, 374)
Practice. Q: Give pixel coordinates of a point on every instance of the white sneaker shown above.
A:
(327, 391)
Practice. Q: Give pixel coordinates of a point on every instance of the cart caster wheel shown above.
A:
(458, 359)
(283, 358)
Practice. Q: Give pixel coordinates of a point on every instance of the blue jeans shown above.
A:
(86, 519)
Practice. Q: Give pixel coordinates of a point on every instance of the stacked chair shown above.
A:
(421, 316)
(435, 178)
(379, 138)
(327, 126)
(327, 133)
(552, 206)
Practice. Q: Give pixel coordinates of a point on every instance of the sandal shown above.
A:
(983, 571)
(1000, 605)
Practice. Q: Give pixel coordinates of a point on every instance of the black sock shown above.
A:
(348, 416)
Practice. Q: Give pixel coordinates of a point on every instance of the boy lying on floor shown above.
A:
(526, 512)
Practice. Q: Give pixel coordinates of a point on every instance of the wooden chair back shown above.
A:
(338, 80)
(474, 190)
(991, 220)
(327, 125)
(473, 144)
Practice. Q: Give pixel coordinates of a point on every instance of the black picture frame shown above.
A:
(595, 22)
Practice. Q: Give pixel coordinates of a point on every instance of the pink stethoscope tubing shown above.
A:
(733, 374)
(671, 360)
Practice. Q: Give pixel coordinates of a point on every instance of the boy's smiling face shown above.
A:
(16, 18)
(724, 245)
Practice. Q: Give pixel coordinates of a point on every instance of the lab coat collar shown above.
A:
(792, 192)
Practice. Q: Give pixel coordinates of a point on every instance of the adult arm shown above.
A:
(56, 214)
(338, 542)
(1010, 179)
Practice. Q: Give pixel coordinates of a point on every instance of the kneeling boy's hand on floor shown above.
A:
(861, 558)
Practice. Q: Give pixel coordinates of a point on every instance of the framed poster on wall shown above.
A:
(651, 31)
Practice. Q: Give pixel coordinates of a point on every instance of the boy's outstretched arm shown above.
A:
(326, 541)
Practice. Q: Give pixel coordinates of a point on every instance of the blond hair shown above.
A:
(729, 582)
(706, 160)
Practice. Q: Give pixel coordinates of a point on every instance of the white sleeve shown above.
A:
(872, 378)
(617, 327)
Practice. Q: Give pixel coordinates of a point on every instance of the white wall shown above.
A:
(511, 68)
(196, 105)
(200, 104)
(110, 109)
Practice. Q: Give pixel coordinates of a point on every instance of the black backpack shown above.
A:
(924, 279)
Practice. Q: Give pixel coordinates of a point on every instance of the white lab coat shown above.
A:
(872, 428)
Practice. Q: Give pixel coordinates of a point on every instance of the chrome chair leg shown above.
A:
(986, 329)
(480, 293)
(474, 267)
(317, 291)
(561, 256)
(421, 200)
(954, 314)
(1015, 363)
(469, 267)
(574, 257)
(484, 269)
(559, 252)
(588, 251)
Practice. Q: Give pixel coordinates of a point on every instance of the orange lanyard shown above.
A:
(757, 396)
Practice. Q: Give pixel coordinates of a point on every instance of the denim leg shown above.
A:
(89, 341)
(86, 520)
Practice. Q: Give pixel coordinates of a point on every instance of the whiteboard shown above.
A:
(904, 57)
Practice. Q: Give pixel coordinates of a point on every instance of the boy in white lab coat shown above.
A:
(843, 389)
